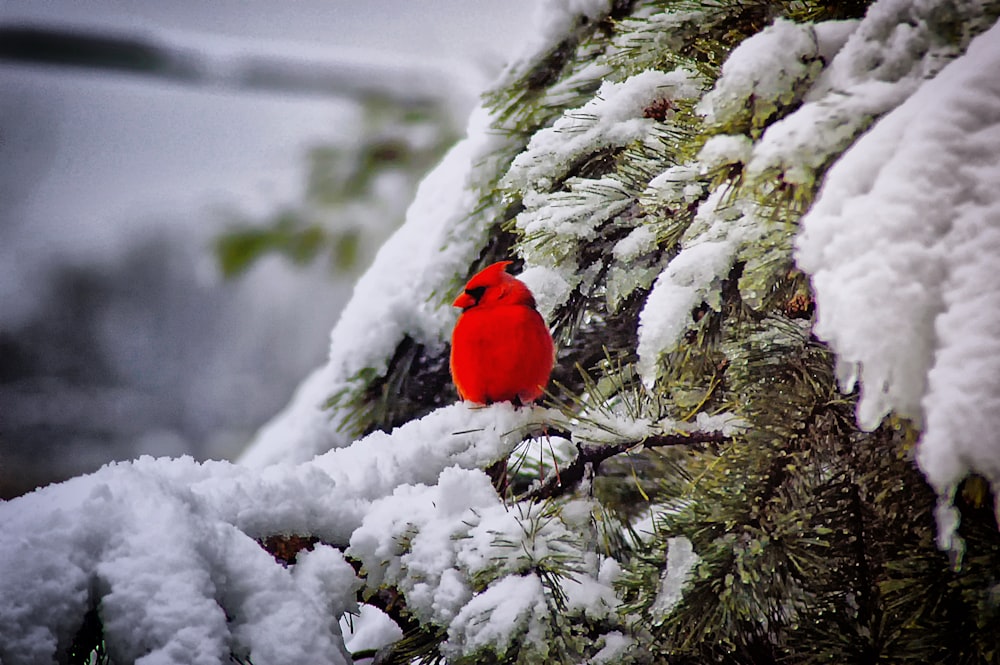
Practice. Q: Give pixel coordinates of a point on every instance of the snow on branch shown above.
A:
(874, 65)
(613, 119)
(708, 249)
(168, 547)
(902, 246)
(411, 509)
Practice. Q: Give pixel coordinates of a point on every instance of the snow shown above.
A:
(167, 547)
(449, 545)
(681, 560)
(724, 150)
(633, 266)
(510, 606)
(430, 518)
(606, 424)
(640, 240)
(175, 583)
(770, 68)
(708, 249)
(594, 596)
(885, 58)
(371, 629)
(831, 37)
(678, 184)
(616, 644)
(182, 534)
(613, 118)
(549, 286)
(553, 20)
(902, 246)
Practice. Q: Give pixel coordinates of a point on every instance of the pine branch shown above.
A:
(557, 484)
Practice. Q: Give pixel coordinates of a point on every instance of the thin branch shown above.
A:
(589, 453)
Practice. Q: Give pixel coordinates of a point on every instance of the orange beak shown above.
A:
(464, 301)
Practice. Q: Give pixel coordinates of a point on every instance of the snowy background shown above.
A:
(118, 335)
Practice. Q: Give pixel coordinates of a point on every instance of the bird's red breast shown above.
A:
(501, 349)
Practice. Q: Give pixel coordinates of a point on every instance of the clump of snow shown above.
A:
(832, 35)
(727, 423)
(469, 436)
(613, 118)
(681, 560)
(765, 72)
(902, 246)
(513, 605)
(433, 542)
(176, 584)
(708, 250)
(678, 186)
(636, 264)
(616, 645)
(593, 595)
(427, 519)
(370, 629)
(640, 240)
(725, 149)
(549, 286)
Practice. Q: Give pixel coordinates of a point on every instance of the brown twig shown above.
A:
(589, 453)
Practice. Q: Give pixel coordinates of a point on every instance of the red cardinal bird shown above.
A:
(501, 349)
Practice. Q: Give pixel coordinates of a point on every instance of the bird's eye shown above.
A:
(476, 292)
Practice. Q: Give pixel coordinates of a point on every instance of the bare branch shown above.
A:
(556, 484)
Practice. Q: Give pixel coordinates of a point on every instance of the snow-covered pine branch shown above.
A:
(167, 548)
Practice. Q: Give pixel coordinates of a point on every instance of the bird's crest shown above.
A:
(493, 285)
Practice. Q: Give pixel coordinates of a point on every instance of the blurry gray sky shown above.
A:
(99, 154)
(477, 29)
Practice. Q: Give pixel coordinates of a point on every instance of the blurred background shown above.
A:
(189, 190)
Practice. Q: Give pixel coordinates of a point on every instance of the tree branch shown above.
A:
(557, 484)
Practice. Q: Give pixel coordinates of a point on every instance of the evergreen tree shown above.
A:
(626, 177)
